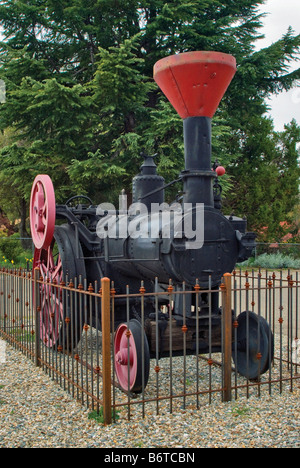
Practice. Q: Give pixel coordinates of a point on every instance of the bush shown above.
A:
(10, 248)
(273, 262)
(12, 253)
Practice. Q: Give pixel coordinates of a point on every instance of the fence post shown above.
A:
(227, 321)
(37, 310)
(106, 350)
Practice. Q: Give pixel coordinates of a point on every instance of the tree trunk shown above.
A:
(26, 244)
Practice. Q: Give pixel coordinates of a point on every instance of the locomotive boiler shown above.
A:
(189, 242)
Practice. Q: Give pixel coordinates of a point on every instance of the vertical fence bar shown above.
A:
(280, 320)
(297, 322)
(97, 348)
(270, 294)
(21, 315)
(197, 289)
(72, 331)
(290, 357)
(37, 310)
(247, 286)
(128, 334)
(210, 339)
(184, 330)
(258, 341)
(170, 291)
(82, 324)
(113, 293)
(142, 292)
(85, 347)
(157, 349)
(235, 327)
(90, 306)
(4, 327)
(106, 345)
(77, 325)
(227, 336)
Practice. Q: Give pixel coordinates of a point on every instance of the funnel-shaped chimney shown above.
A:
(195, 82)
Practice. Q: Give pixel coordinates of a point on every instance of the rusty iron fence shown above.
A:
(68, 330)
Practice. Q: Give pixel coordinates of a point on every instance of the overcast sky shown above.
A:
(281, 15)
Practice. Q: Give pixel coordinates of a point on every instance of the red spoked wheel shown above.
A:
(42, 212)
(131, 364)
(60, 323)
(51, 303)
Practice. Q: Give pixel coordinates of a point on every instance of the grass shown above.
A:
(20, 335)
(99, 417)
(238, 411)
(21, 261)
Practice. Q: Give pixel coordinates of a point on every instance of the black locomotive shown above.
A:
(190, 242)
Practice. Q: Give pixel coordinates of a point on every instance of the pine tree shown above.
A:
(266, 177)
(82, 105)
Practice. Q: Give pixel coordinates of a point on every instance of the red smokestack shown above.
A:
(195, 82)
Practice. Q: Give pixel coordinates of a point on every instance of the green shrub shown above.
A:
(12, 253)
(10, 248)
(273, 262)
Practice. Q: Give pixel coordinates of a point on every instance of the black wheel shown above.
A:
(56, 264)
(255, 346)
(132, 363)
(271, 345)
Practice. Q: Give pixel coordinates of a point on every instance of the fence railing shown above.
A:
(136, 353)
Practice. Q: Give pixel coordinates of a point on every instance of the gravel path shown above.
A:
(36, 413)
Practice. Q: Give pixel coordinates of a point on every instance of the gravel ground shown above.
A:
(36, 413)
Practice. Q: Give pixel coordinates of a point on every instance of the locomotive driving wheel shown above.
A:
(255, 346)
(132, 362)
(60, 322)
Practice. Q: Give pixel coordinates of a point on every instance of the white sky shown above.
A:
(281, 15)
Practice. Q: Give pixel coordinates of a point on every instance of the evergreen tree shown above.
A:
(81, 103)
(266, 177)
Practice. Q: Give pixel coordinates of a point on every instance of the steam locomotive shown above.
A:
(190, 242)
